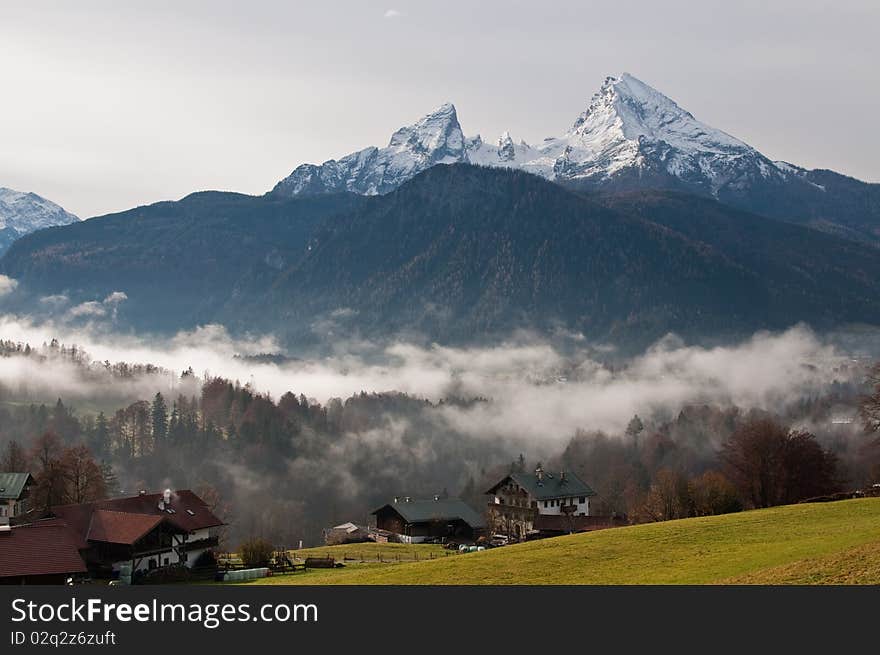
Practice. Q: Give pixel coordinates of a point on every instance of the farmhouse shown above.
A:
(542, 504)
(14, 490)
(416, 521)
(140, 533)
(44, 552)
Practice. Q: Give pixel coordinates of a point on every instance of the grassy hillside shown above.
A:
(373, 552)
(800, 544)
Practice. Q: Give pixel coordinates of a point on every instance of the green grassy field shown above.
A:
(374, 553)
(824, 543)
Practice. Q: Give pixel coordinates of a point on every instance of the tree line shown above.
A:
(284, 469)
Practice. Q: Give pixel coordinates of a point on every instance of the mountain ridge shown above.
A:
(630, 136)
(459, 253)
(24, 212)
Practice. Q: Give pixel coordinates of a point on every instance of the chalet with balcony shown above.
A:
(542, 504)
(141, 533)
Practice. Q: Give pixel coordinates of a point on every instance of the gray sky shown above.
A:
(106, 105)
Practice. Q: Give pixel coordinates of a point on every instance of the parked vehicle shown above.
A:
(499, 540)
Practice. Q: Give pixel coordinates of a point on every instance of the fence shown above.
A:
(377, 556)
(232, 562)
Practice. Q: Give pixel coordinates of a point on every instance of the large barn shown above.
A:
(439, 519)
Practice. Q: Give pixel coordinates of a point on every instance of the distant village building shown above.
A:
(542, 504)
(439, 519)
(14, 492)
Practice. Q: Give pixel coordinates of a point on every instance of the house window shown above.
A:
(546, 503)
(582, 500)
(3, 510)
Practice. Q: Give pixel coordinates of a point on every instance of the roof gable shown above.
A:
(565, 485)
(41, 548)
(121, 527)
(189, 512)
(12, 485)
(442, 509)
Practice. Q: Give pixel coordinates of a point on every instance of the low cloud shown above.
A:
(536, 392)
(115, 298)
(55, 300)
(7, 285)
(392, 13)
(537, 395)
(91, 309)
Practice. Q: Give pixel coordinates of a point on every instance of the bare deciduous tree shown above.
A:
(772, 465)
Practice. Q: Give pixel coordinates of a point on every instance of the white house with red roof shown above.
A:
(141, 533)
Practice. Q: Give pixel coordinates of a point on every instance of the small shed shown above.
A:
(346, 533)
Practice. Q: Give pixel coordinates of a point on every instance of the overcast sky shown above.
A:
(106, 105)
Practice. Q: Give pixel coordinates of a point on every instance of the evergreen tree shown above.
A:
(159, 412)
(110, 481)
(634, 428)
(100, 438)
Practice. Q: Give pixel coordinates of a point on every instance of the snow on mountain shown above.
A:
(505, 153)
(435, 139)
(21, 213)
(630, 125)
(628, 131)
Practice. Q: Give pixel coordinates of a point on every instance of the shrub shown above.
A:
(256, 553)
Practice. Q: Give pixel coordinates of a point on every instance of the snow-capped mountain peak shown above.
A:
(628, 131)
(436, 138)
(633, 135)
(438, 131)
(636, 110)
(22, 212)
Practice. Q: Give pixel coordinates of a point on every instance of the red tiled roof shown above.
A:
(120, 527)
(80, 517)
(42, 548)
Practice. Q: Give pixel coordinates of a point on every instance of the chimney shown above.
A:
(166, 497)
(562, 477)
(539, 473)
